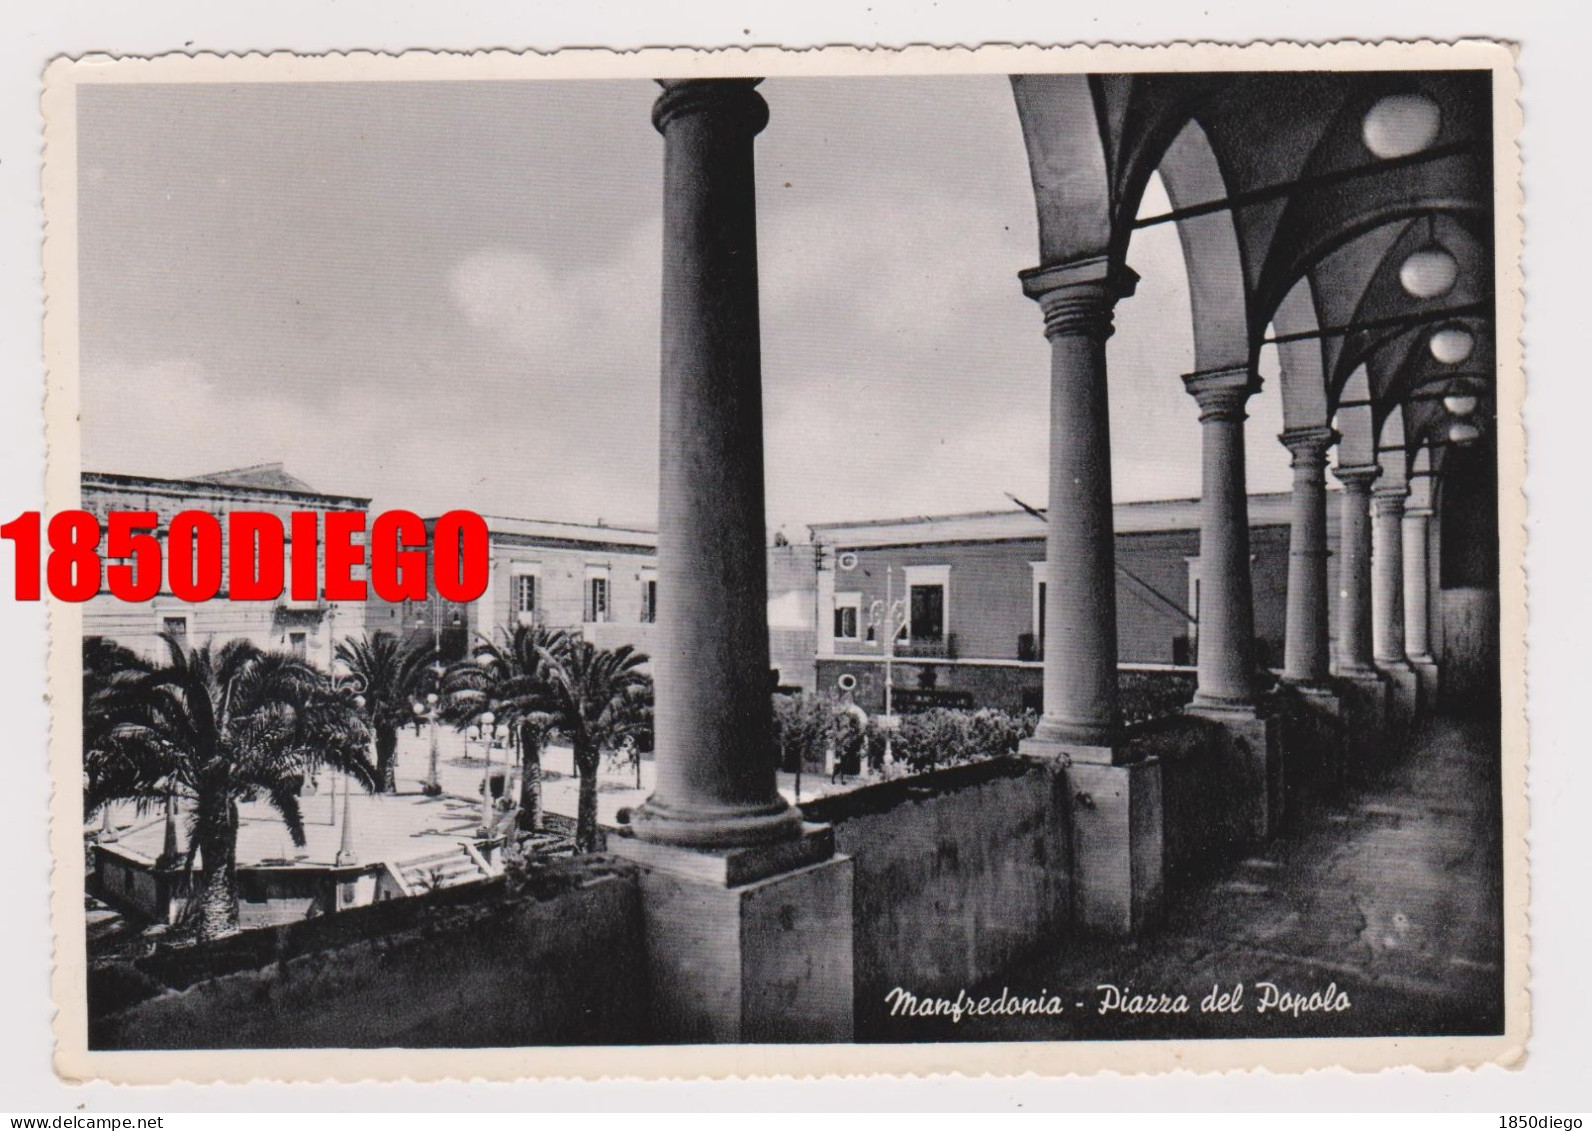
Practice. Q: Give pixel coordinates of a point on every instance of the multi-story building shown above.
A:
(309, 628)
(972, 590)
(598, 580)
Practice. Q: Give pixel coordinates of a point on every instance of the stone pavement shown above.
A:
(1390, 892)
(460, 764)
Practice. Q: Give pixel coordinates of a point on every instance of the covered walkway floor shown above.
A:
(1391, 892)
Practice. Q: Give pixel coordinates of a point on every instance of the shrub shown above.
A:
(1143, 696)
(947, 737)
(804, 726)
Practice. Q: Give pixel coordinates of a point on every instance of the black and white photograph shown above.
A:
(1014, 551)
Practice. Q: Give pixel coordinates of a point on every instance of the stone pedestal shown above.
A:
(1322, 738)
(1251, 765)
(1118, 878)
(747, 944)
(1366, 713)
(1403, 694)
(1427, 678)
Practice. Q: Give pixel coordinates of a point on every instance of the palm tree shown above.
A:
(109, 773)
(510, 680)
(220, 726)
(596, 697)
(390, 676)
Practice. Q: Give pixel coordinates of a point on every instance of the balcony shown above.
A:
(929, 647)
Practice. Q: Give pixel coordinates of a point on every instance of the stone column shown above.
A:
(1115, 805)
(1387, 575)
(1354, 572)
(1080, 674)
(1249, 760)
(1226, 612)
(1306, 661)
(1417, 604)
(713, 714)
(747, 913)
(1387, 600)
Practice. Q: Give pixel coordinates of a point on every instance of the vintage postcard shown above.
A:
(755, 562)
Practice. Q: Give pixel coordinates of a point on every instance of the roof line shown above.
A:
(925, 518)
(119, 476)
(563, 522)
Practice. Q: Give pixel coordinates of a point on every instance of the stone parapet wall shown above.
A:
(556, 960)
(959, 873)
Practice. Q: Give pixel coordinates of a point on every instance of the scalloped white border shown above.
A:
(74, 1063)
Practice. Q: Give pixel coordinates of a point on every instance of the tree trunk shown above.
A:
(530, 779)
(217, 834)
(386, 759)
(586, 814)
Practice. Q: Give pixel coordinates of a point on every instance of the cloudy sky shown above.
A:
(447, 294)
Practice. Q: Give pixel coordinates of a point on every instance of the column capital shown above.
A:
(1388, 498)
(1309, 445)
(1357, 479)
(729, 99)
(1078, 297)
(1221, 393)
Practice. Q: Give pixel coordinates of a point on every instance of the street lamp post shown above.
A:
(488, 729)
(346, 684)
(435, 605)
(427, 710)
(345, 850)
(890, 616)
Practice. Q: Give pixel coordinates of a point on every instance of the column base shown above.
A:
(747, 944)
(1075, 742)
(712, 829)
(1118, 847)
(1061, 750)
(1251, 761)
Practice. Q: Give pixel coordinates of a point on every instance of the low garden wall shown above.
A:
(552, 958)
(958, 873)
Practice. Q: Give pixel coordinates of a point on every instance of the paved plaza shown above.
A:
(396, 827)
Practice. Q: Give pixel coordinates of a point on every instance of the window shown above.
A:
(848, 616)
(177, 627)
(299, 644)
(525, 593)
(1041, 576)
(597, 599)
(649, 599)
(927, 612)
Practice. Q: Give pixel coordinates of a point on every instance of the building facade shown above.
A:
(307, 628)
(971, 592)
(600, 581)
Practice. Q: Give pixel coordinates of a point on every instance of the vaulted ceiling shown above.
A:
(1346, 213)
